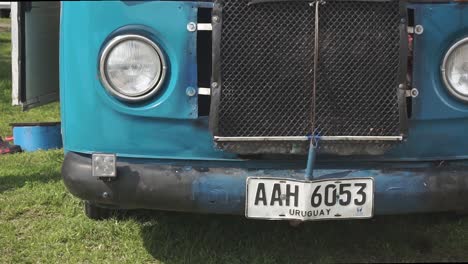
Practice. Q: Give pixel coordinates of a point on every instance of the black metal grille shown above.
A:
(266, 66)
(266, 69)
(359, 69)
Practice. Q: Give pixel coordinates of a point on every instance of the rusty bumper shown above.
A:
(198, 187)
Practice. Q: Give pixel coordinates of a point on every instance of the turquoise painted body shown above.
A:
(167, 130)
(94, 121)
(439, 121)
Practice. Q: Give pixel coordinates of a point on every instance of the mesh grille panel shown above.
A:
(267, 69)
(358, 69)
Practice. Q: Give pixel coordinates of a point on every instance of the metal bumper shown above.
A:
(199, 188)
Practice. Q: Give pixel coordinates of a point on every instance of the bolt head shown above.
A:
(191, 91)
(214, 85)
(216, 19)
(418, 29)
(191, 26)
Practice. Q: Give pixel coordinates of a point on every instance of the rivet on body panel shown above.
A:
(418, 29)
(191, 27)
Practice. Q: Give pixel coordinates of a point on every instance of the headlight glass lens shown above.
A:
(455, 69)
(132, 67)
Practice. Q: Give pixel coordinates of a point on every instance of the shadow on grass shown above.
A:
(8, 182)
(187, 238)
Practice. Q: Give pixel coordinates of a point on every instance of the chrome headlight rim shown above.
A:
(155, 85)
(453, 91)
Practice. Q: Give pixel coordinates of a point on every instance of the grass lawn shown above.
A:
(41, 222)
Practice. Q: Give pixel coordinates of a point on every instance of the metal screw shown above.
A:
(418, 29)
(191, 91)
(191, 26)
(214, 85)
(105, 195)
(414, 92)
(403, 20)
(216, 19)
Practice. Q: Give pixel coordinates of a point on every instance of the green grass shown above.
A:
(40, 221)
(5, 20)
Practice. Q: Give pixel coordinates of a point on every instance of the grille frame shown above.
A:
(217, 81)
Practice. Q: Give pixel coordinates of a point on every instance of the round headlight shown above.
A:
(132, 67)
(455, 69)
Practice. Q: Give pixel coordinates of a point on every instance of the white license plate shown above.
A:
(273, 198)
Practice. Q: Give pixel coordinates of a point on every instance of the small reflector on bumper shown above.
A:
(104, 165)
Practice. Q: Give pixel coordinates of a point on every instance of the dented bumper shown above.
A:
(163, 185)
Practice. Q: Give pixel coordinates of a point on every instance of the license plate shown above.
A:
(273, 198)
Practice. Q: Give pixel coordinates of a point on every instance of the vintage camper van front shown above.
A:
(209, 107)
